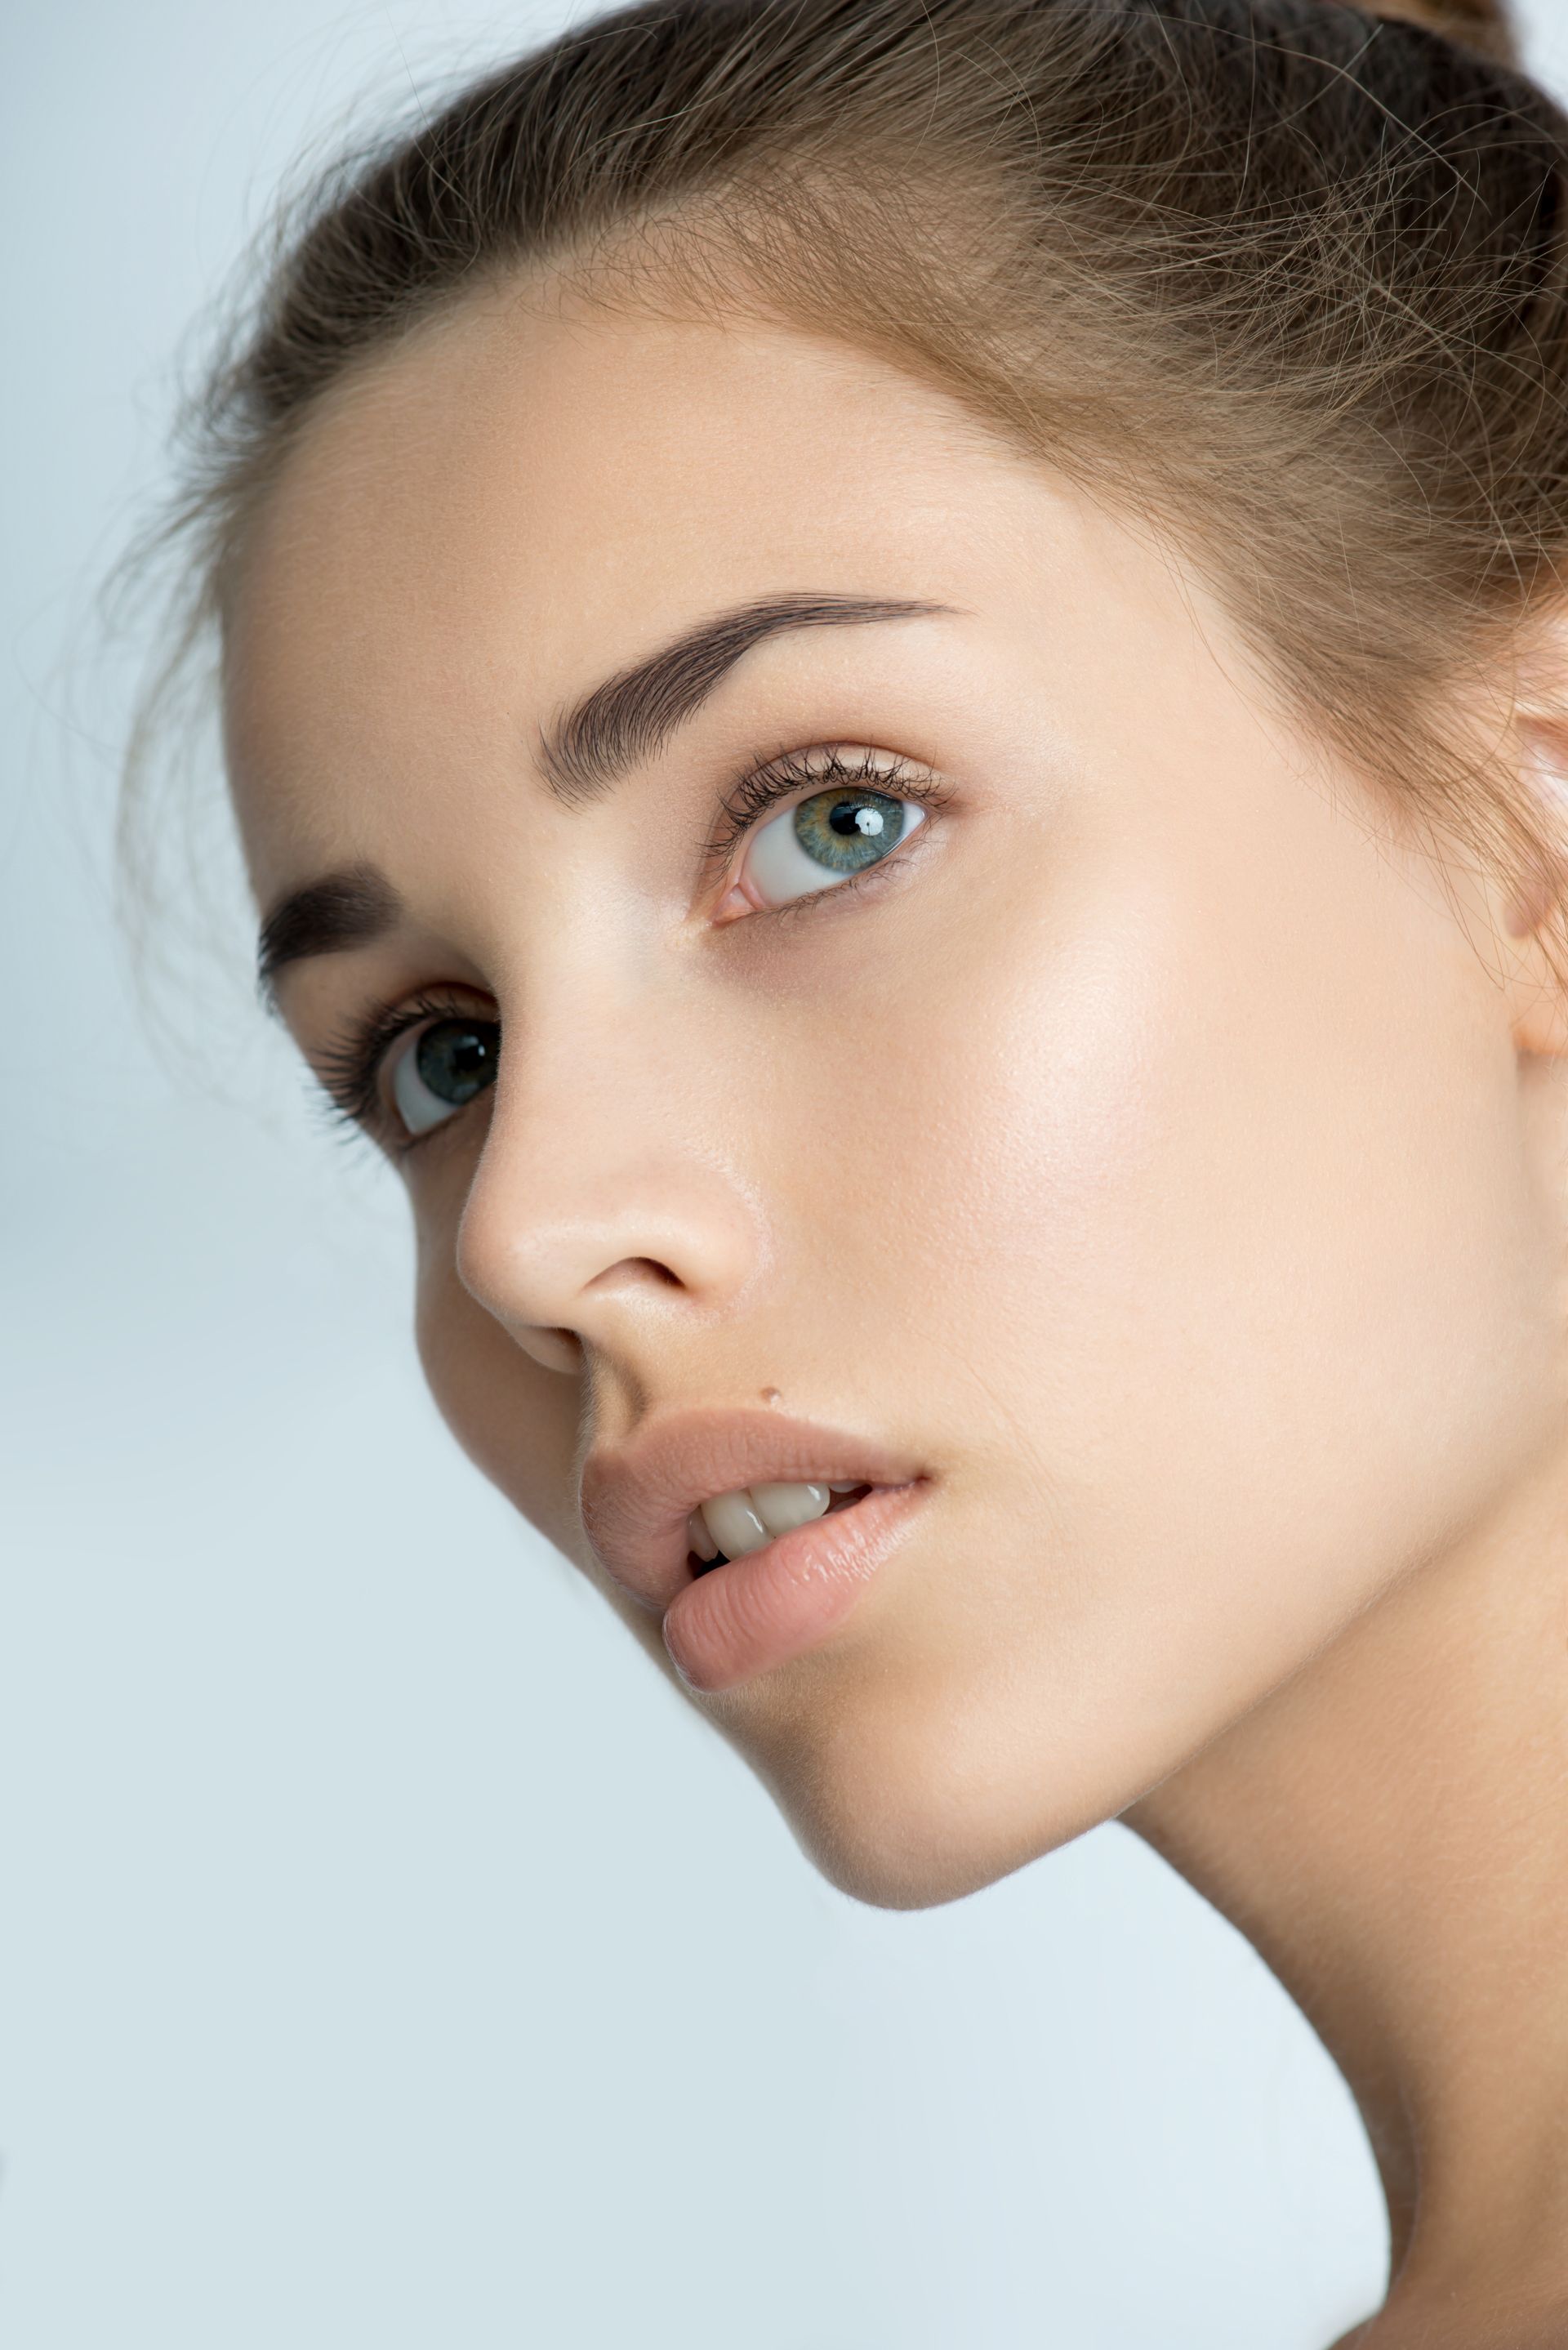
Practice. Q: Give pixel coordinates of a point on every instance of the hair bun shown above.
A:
(1485, 26)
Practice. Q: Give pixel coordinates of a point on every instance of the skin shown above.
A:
(1165, 1151)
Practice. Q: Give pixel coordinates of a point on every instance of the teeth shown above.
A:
(781, 1507)
(742, 1522)
(735, 1525)
(700, 1540)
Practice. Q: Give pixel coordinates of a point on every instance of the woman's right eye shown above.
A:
(438, 1068)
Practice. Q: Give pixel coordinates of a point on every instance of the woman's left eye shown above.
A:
(437, 1069)
(823, 840)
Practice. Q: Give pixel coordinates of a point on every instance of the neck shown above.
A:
(1390, 1830)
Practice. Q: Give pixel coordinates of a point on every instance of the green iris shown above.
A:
(847, 831)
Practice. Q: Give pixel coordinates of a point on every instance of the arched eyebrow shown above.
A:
(632, 715)
(626, 719)
(350, 908)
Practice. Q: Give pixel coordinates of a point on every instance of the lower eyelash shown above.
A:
(870, 877)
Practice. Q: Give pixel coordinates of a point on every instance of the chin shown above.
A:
(900, 1794)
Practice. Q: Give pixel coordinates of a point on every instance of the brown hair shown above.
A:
(1284, 278)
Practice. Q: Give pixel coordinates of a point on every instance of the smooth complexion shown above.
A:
(1163, 1152)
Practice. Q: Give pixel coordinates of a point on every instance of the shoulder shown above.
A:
(1542, 2325)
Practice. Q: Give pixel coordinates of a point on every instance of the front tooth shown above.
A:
(735, 1525)
(780, 1507)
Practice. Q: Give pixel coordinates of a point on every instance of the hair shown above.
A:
(1285, 280)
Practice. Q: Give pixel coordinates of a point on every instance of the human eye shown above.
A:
(409, 1069)
(436, 1071)
(857, 807)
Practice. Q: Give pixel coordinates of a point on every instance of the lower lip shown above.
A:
(753, 1613)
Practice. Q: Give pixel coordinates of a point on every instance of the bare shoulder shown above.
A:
(1539, 2326)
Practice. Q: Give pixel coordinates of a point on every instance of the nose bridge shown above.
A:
(601, 1196)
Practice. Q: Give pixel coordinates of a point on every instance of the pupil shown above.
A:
(455, 1061)
(842, 817)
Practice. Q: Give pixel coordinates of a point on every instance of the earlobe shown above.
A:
(1538, 1007)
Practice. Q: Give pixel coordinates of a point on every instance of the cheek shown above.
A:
(1210, 1264)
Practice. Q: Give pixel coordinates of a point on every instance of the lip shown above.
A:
(739, 1618)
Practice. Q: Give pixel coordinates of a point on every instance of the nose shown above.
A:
(600, 1218)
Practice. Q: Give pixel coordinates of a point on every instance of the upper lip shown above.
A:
(636, 1497)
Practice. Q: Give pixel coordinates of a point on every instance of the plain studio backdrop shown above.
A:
(387, 1956)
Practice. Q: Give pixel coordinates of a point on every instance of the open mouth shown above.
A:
(735, 1525)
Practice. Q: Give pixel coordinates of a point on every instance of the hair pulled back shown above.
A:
(1286, 279)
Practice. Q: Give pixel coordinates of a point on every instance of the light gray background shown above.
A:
(387, 1957)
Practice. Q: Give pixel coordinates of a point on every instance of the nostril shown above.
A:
(641, 1268)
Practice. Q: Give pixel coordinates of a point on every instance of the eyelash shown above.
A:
(765, 786)
(350, 1066)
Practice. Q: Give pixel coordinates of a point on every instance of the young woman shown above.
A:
(895, 678)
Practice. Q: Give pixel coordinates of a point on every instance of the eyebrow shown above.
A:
(626, 719)
(341, 911)
(632, 715)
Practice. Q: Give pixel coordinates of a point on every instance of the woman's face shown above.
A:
(1063, 1093)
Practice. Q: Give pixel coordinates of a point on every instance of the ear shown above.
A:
(1536, 990)
(1535, 908)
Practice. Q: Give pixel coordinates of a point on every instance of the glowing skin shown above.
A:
(1155, 1152)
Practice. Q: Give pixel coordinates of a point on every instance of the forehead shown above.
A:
(524, 497)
